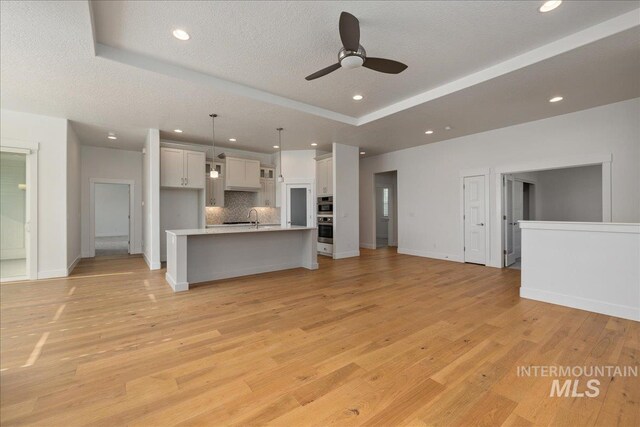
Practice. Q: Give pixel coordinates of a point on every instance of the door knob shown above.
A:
(481, 224)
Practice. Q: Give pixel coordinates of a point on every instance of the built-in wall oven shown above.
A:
(325, 229)
(325, 205)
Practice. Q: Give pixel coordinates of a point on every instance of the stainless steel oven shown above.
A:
(325, 205)
(325, 229)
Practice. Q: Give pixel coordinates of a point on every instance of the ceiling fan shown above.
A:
(352, 55)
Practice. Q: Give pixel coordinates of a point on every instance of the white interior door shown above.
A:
(518, 214)
(509, 250)
(299, 205)
(474, 220)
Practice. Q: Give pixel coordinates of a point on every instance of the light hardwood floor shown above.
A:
(384, 339)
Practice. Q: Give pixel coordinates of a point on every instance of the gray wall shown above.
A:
(111, 210)
(571, 194)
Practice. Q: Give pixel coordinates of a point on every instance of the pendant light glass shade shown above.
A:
(213, 173)
(280, 177)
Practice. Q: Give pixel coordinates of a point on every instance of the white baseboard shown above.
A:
(346, 254)
(623, 311)
(177, 287)
(73, 265)
(51, 274)
(152, 266)
(368, 245)
(429, 254)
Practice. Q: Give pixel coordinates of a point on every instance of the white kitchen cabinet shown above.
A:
(181, 168)
(215, 186)
(267, 193)
(324, 177)
(242, 174)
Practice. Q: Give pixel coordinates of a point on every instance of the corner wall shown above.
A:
(73, 199)
(51, 134)
(429, 190)
(346, 215)
(151, 200)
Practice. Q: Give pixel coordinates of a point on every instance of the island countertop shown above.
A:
(236, 229)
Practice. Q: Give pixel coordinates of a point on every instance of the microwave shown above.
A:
(325, 205)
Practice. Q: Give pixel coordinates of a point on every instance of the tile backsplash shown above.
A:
(236, 208)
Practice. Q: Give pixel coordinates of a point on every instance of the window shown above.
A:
(385, 202)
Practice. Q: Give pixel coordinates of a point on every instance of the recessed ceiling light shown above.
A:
(429, 132)
(357, 97)
(314, 144)
(548, 6)
(181, 34)
(362, 153)
(232, 139)
(177, 130)
(447, 128)
(112, 136)
(276, 146)
(556, 99)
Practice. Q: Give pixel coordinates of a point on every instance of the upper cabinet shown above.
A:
(215, 186)
(242, 174)
(181, 168)
(267, 193)
(324, 177)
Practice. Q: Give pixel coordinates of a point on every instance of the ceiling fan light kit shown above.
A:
(352, 55)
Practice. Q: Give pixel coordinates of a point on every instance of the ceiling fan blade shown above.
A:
(323, 72)
(384, 65)
(349, 31)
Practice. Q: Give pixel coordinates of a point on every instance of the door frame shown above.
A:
(311, 201)
(31, 150)
(92, 209)
(468, 173)
(391, 226)
(548, 164)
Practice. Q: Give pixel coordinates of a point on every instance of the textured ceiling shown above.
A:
(48, 67)
(274, 45)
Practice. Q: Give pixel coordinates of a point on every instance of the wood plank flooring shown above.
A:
(384, 339)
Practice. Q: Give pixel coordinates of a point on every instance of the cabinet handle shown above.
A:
(186, 181)
(181, 181)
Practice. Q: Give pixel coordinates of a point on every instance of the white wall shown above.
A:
(570, 194)
(107, 163)
(112, 209)
(346, 216)
(151, 199)
(51, 134)
(429, 190)
(299, 166)
(74, 227)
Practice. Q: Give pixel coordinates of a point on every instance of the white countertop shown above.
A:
(236, 229)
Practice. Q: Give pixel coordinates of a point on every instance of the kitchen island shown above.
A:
(201, 255)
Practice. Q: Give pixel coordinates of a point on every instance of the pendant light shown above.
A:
(213, 173)
(280, 177)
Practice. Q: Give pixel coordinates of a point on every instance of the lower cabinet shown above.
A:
(325, 249)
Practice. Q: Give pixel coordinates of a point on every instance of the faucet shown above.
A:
(249, 216)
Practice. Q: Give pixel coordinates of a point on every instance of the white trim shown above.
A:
(177, 287)
(73, 264)
(156, 266)
(51, 274)
(623, 311)
(608, 227)
(497, 258)
(31, 150)
(468, 173)
(430, 254)
(91, 252)
(346, 254)
(368, 245)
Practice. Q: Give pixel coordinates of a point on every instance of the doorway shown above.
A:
(519, 205)
(13, 210)
(386, 209)
(299, 205)
(111, 218)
